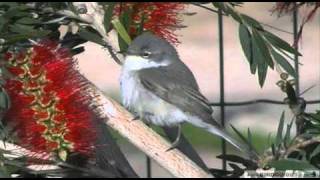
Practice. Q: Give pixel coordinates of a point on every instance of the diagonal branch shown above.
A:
(142, 136)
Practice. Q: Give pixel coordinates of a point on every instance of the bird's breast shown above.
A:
(144, 103)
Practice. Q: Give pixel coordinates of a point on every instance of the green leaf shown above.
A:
(261, 56)
(263, 48)
(284, 63)
(262, 73)
(279, 43)
(16, 12)
(260, 63)
(292, 164)
(280, 130)
(121, 30)
(233, 13)
(22, 29)
(286, 138)
(273, 149)
(126, 20)
(11, 39)
(91, 36)
(315, 152)
(219, 5)
(246, 44)
(251, 22)
(108, 15)
(8, 4)
(244, 139)
(238, 159)
(250, 141)
(4, 100)
(3, 21)
(28, 20)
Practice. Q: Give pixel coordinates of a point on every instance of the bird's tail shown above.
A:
(223, 134)
(220, 131)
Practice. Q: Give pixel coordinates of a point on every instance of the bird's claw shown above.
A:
(174, 145)
(135, 118)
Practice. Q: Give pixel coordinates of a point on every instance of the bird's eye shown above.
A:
(146, 54)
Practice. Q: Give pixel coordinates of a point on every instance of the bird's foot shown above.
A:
(176, 142)
(137, 117)
(173, 146)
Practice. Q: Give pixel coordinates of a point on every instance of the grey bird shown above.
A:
(160, 89)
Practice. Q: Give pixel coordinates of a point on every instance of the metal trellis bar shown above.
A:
(257, 101)
(222, 107)
(295, 40)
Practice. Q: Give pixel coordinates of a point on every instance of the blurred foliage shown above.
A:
(286, 151)
(23, 23)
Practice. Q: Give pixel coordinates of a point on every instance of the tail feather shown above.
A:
(218, 130)
(223, 134)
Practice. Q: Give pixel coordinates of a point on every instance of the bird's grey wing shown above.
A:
(177, 90)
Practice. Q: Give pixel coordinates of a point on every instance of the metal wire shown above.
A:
(222, 107)
(296, 57)
(257, 101)
(149, 175)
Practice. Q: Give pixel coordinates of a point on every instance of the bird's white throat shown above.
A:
(133, 63)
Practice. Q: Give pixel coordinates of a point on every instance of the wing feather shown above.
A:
(177, 90)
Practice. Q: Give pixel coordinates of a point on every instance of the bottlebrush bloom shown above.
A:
(158, 17)
(49, 110)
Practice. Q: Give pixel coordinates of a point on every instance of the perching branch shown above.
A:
(143, 137)
(300, 145)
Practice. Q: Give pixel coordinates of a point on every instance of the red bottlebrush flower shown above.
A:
(158, 17)
(48, 107)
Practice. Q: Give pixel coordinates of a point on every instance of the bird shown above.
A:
(157, 87)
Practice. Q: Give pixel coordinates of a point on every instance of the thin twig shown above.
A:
(112, 53)
(275, 28)
(300, 145)
(268, 101)
(264, 24)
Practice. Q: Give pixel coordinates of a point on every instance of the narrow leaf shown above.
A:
(284, 63)
(262, 73)
(263, 48)
(108, 15)
(90, 36)
(252, 22)
(238, 159)
(279, 43)
(273, 149)
(244, 139)
(22, 29)
(280, 130)
(11, 39)
(286, 138)
(121, 30)
(292, 164)
(246, 42)
(260, 63)
(315, 152)
(4, 100)
(233, 14)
